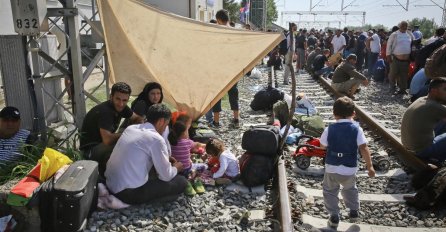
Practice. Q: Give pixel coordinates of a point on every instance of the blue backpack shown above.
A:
(379, 70)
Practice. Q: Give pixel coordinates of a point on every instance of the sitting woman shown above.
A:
(151, 94)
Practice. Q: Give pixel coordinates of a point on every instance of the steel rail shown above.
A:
(405, 156)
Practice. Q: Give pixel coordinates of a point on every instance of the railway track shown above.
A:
(295, 202)
(382, 204)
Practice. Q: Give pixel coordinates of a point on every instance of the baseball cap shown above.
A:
(10, 112)
(371, 31)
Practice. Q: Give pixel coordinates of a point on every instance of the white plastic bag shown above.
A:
(255, 73)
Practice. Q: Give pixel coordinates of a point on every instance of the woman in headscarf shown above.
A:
(151, 94)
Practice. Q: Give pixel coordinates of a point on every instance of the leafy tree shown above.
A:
(427, 26)
(367, 27)
(233, 9)
(271, 12)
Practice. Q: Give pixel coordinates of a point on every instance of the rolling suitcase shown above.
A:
(75, 196)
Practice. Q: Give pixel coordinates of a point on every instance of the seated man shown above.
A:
(98, 133)
(419, 85)
(140, 151)
(11, 136)
(310, 59)
(420, 121)
(321, 65)
(346, 79)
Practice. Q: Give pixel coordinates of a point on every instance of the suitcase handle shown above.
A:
(80, 194)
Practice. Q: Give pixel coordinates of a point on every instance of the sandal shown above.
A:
(198, 186)
(190, 190)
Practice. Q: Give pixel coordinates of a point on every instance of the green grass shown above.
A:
(30, 154)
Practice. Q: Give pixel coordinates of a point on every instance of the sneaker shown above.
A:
(215, 124)
(189, 191)
(236, 122)
(198, 186)
(333, 221)
(222, 181)
(354, 216)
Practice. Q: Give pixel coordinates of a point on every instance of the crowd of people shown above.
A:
(395, 57)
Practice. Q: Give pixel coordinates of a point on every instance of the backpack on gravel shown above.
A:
(265, 98)
(436, 64)
(201, 133)
(255, 169)
(311, 125)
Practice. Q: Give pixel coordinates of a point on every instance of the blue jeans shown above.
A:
(373, 57)
(209, 116)
(323, 71)
(436, 152)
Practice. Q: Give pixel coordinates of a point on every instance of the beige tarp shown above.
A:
(195, 62)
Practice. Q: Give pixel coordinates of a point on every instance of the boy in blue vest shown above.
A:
(342, 141)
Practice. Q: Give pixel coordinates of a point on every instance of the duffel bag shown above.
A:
(265, 99)
(310, 125)
(262, 140)
(255, 169)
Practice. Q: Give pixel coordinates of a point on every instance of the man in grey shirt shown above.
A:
(140, 150)
(421, 130)
(346, 79)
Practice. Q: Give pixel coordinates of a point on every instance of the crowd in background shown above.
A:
(394, 57)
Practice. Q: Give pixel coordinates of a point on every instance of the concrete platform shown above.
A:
(319, 171)
(363, 197)
(321, 224)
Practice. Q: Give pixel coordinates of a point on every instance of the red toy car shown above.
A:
(311, 148)
(304, 152)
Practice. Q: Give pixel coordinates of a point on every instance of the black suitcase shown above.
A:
(75, 196)
(262, 140)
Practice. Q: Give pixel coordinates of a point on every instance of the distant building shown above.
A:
(202, 10)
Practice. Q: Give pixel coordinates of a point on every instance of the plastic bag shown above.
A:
(255, 74)
(52, 161)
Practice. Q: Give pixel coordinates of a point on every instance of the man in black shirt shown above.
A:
(98, 133)
(301, 46)
(321, 66)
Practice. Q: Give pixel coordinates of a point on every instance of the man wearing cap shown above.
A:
(346, 79)
(11, 136)
(375, 48)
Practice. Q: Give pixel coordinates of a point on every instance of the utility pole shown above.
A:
(405, 8)
(443, 18)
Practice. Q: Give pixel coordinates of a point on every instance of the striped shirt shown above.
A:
(10, 148)
(181, 152)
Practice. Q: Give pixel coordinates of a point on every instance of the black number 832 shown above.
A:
(26, 23)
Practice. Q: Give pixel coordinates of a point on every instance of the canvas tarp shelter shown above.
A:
(196, 63)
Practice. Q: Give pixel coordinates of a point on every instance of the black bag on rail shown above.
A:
(255, 169)
(263, 140)
(265, 98)
(72, 198)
